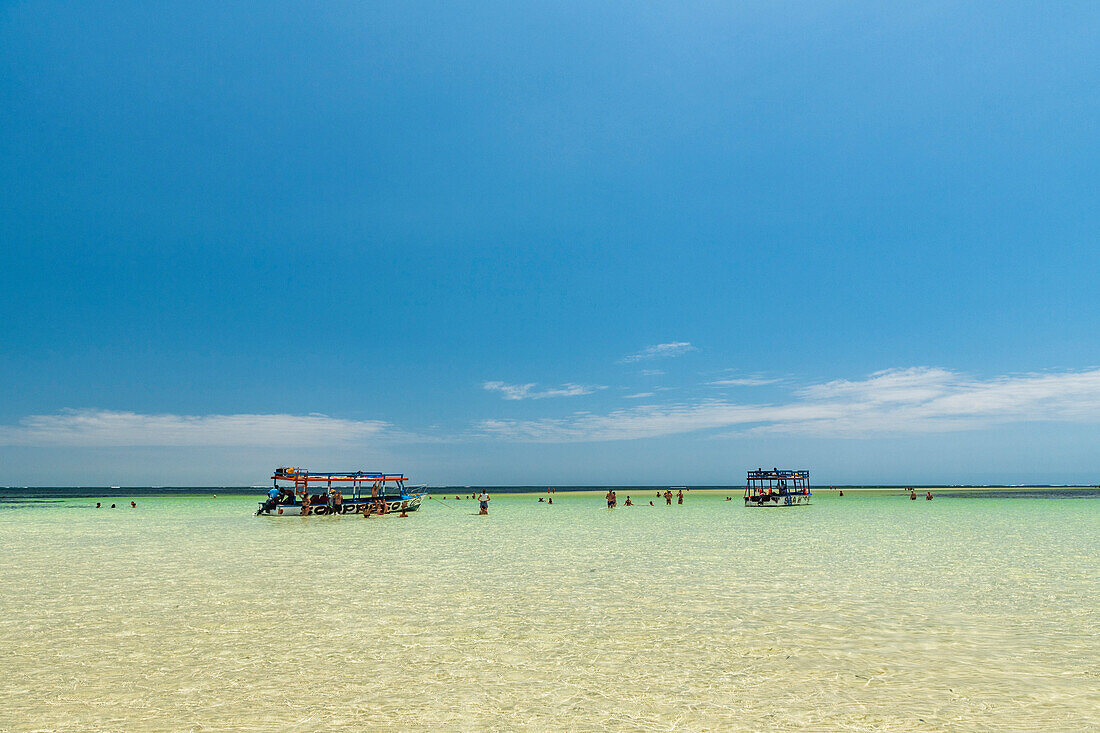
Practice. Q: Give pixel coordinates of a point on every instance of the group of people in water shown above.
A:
(99, 505)
(613, 499)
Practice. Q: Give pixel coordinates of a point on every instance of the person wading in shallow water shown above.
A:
(668, 497)
(680, 496)
(611, 499)
(484, 499)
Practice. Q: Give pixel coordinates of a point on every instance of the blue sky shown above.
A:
(549, 243)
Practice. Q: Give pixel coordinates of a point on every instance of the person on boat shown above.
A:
(629, 502)
(680, 496)
(484, 499)
(668, 497)
(610, 499)
(272, 500)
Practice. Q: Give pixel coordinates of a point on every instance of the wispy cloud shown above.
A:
(528, 392)
(657, 351)
(105, 428)
(637, 396)
(743, 382)
(895, 401)
(652, 372)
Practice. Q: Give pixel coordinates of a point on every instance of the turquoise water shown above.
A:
(867, 612)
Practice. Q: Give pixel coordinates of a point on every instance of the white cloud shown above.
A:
(637, 396)
(676, 348)
(895, 401)
(527, 391)
(652, 372)
(106, 428)
(743, 382)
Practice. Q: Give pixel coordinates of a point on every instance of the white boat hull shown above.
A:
(394, 506)
(776, 500)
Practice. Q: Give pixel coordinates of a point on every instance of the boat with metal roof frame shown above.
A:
(777, 487)
(304, 492)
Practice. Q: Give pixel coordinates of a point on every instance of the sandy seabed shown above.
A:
(868, 612)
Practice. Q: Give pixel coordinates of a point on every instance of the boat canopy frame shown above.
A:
(777, 481)
(373, 482)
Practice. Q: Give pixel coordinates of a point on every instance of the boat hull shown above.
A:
(776, 500)
(394, 505)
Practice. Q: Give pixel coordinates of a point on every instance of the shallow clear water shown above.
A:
(867, 612)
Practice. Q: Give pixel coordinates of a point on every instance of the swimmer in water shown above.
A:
(629, 502)
(551, 501)
(133, 505)
(651, 502)
(112, 506)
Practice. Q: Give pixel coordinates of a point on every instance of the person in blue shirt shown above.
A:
(272, 501)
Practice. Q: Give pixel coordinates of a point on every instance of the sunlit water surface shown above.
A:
(867, 612)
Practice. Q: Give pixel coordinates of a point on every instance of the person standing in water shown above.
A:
(484, 499)
(680, 496)
(668, 497)
(610, 499)
(629, 502)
